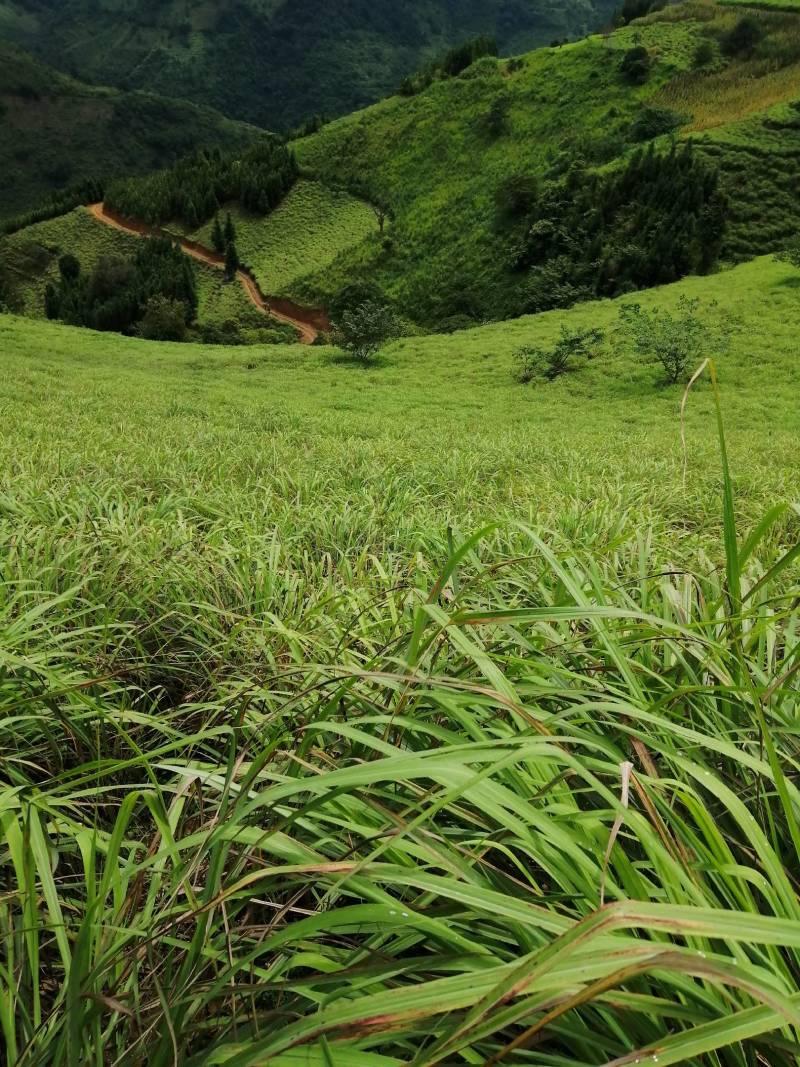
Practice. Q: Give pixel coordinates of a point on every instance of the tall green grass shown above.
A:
(520, 802)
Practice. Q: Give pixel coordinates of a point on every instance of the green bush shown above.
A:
(574, 348)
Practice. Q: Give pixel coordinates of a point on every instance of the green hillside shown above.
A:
(445, 159)
(31, 257)
(57, 132)
(276, 62)
(304, 762)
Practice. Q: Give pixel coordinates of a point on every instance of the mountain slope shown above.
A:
(275, 62)
(443, 158)
(55, 131)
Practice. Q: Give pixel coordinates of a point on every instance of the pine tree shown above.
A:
(217, 236)
(230, 230)
(231, 261)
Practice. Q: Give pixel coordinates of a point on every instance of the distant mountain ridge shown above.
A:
(276, 62)
(56, 131)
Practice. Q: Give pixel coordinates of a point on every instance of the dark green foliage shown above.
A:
(194, 188)
(229, 233)
(88, 192)
(352, 296)
(655, 220)
(118, 293)
(704, 54)
(164, 319)
(636, 9)
(218, 236)
(791, 253)
(635, 65)
(280, 62)
(231, 261)
(744, 38)
(574, 348)
(652, 122)
(515, 197)
(69, 268)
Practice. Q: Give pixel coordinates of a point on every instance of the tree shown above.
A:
(365, 329)
(635, 65)
(217, 236)
(704, 54)
(69, 267)
(676, 341)
(382, 212)
(230, 231)
(515, 197)
(572, 350)
(164, 319)
(744, 38)
(791, 254)
(231, 261)
(352, 295)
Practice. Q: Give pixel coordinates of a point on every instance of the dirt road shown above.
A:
(307, 321)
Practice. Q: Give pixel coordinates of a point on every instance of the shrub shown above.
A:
(515, 197)
(652, 122)
(365, 329)
(704, 54)
(573, 349)
(353, 295)
(744, 38)
(164, 319)
(635, 65)
(676, 341)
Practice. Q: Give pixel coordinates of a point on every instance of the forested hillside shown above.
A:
(276, 63)
(56, 132)
(534, 182)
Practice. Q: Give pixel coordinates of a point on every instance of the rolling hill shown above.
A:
(57, 132)
(276, 62)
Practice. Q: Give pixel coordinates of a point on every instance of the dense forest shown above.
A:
(305, 57)
(196, 186)
(154, 294)
(600, 233)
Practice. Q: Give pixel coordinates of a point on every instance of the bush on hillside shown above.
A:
(515, 197)
(635, 65)
(352, 296)
(363, 330)
(704, 54)
(636, 9)
(164, 319)
(652, 122)
(679, 342)
(743, 38)
(119, 294)
(572, 350)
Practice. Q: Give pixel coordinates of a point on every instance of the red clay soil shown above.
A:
(309, 322)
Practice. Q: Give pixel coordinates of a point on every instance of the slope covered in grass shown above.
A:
(303, 57)
(56, 132)
(299, 765)
(303, 237)
(442, 158)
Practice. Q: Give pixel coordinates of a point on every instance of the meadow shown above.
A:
(401, 714)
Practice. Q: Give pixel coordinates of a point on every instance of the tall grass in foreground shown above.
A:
(543, 810)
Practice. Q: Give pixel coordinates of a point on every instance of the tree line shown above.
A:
(589, 234)
(451, 64)
(154, 294)
(194, 188)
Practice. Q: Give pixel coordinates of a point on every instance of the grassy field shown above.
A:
(287, 249)
(32, 258)
(338, 701)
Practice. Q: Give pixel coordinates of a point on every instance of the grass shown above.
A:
(301, 239)
(321, 688)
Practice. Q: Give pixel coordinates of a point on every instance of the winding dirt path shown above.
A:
(308, 322)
